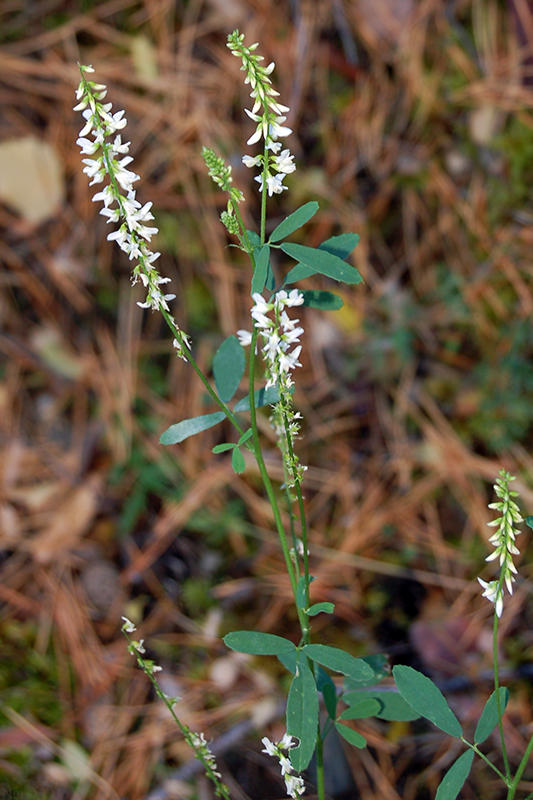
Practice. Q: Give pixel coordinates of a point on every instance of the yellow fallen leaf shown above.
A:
(31, 178)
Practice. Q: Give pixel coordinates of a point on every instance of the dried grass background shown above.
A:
(412, 126)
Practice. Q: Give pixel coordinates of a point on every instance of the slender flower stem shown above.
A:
(498, 700)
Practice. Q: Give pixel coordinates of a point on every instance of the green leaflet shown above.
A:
(327, 301)
(302, 716)
(426, 698)
(489, 718)
(452, 782)
(392, 704)
(257, 643)
(260, 275)
(338, 661)
(294, 221)
(262, 397)
(340, 246)
(350, 735)
(318, 608)
(228, 367)
(322, 262)
(188, 427)
(361, 709)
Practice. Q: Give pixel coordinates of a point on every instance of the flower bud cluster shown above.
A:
(293, 783)
(110, 159)
(220, 172)
(504, 541)
(269, 116)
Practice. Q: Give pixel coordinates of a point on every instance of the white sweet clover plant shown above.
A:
(276, 337)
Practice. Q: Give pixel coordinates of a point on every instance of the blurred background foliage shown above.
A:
(413, 127)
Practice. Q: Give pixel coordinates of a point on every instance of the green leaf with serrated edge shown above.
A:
(489, 718)
(363, 709)
(289, 660)
(222, 448)
(298, 273)
(340, 246)
(393, 706)
(325, 685)
(263, 397)
(323, 263)
(294, 221)
(188, 427)
(452, 783)
(302, 716)
(228, 367)
(246, 435)
(426, 698)
(237, 461)
(327, 301)
(529, 521)
(350, 735)
(258, 644)
(317, 608)
(337, 660)
(262, 256)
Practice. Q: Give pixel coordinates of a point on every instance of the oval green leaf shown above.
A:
(489, 718)
(302, 716)
(327, 301)
(366, 707)
(228, 367)
(263, 397)
(259, 278)
(350, 735)
(294, 221)
(452, 783)
(237, 461)
(426, 698)
(341, 246)
(322, 262)
(188, 427)
(317, 608)
(392, 705)
(222, 448)
(258, 644)
(338, 661)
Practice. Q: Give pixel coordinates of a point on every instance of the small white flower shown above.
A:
(245, 337)
(493, 593)
(248, 161)
(284, 162)
(128, 626)
(270, 747)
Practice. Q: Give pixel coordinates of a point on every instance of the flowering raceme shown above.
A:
(503, 541)
(293, 783)
(134, 231)
(269, 115)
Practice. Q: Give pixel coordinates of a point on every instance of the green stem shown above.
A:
(520, 771)
(497, 690)
(321, 791)
(478, 752)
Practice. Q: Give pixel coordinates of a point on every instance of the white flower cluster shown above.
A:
(269, 115)
(101, 123)
(279, 335)
(503, 541)
(137, 649)
(294, 784)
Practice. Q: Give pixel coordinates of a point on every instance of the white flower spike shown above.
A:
(503, 541)
(111, 164)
